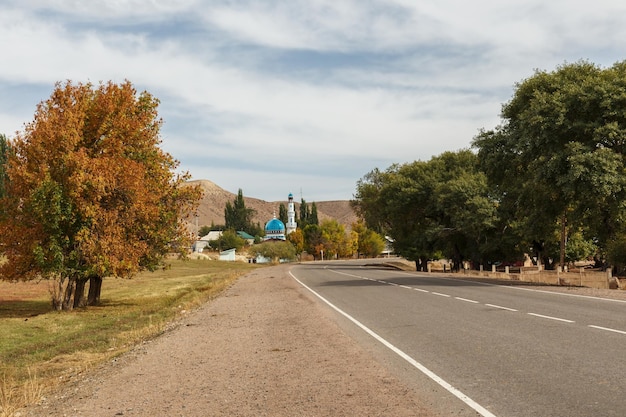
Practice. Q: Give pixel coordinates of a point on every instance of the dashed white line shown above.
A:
(440, 294)
(608, 329)
(467, 300)
(550, 317)
(420, 290)
(500, 307)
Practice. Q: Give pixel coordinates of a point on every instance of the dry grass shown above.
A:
(45, 347)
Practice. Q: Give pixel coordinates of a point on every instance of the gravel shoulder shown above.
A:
(263, 348)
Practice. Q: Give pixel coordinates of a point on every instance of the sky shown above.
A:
(302, 96)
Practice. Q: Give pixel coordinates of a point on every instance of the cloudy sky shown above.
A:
(302, 96)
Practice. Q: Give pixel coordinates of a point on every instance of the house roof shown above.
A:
(245, 235)
(213, 235)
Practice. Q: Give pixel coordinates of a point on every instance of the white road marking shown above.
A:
(467, 400)
(500, 307)
(440, 294)
(420, 290)
(551, 317)
(467, 300)
(608, 329)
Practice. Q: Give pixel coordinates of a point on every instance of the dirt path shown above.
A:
(263, 348)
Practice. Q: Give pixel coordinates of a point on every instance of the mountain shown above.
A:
(211, 208)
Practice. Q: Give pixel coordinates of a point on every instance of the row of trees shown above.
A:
(548, 181)
(87, 193)
(330, 240)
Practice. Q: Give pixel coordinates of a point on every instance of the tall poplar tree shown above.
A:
(237, 216)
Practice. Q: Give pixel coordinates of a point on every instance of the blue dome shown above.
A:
(275, 226)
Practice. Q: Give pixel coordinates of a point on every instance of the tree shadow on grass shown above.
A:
(18, 309)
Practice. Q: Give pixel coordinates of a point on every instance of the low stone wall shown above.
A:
(593, 279)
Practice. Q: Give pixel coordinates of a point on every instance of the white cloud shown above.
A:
(327, 89)
(110, 9)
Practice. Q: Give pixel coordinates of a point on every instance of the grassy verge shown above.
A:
(39, 348)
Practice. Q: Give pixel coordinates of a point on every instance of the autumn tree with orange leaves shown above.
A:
(90, 194)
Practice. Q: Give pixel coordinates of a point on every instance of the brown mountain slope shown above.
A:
(211, 208)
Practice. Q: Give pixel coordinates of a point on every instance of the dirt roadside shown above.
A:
(263, 348)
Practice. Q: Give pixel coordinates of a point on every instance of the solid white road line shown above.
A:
(550, 317)
(608, 329)
(467, 400)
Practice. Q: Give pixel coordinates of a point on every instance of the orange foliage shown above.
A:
(90, 192)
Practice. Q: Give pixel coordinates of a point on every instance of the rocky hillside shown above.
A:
(211, 209)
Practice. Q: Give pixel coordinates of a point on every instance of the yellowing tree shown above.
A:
(90, 194)
(369, 243)
(335, 240)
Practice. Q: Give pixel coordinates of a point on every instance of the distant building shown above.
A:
(246, 236)
(291, 216)
(275, 229)
(203, 242)
(227, 255)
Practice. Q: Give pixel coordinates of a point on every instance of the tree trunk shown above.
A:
(57, 292)
(79, 293)
(563, 241)
(69, 292)
(95, 286)
(457, 259)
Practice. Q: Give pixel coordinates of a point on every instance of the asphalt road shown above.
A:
(503, 351)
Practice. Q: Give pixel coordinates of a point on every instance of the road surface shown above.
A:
(503, 350)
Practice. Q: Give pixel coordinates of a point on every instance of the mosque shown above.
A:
(275, 229)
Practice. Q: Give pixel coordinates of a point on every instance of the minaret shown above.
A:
(291, 216)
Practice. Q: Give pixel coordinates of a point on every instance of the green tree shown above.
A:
(238, 217)
(313, 216)
(282, 213)
(90, 194)
(228, 240)
(313, 241)
(305, 213)
(368, 204)
(276, 251)
(204, 230)
(441, 206)
(557, 159)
